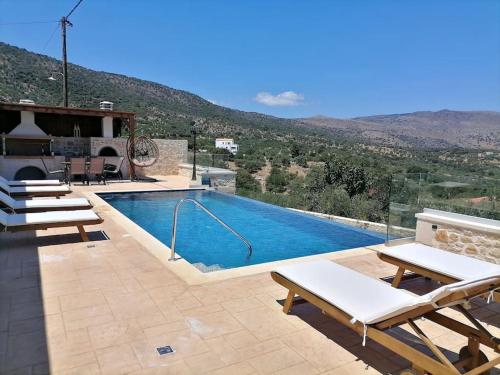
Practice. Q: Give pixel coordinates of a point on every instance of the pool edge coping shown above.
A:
(185, 270)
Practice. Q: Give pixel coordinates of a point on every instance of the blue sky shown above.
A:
(284, 57)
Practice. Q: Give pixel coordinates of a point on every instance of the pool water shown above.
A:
(275, 233)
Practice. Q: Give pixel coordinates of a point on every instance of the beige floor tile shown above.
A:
(264, 323)
(300, 369)
(165, 329)
(261, 347)
(114, 333)
(242, 304)
(241, 339)
(88, 369)
(118, 359)
(171, 368)
(238, 368)
(185, 344)
(321, 352)
(214, 324)
(274, 361)
(81, 300)
(204, 363)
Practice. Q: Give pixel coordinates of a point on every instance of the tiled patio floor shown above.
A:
(103, 307)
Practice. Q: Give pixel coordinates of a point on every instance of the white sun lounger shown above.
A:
(45, 220)
(370, 306)
(434, 263)
(41, 205)
(35, 191)
(30, 182)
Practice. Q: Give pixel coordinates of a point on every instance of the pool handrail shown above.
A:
(212, 215)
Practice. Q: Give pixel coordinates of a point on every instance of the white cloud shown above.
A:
(287, 98)
(213, 101)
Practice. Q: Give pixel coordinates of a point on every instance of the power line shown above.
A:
(50, 38)
(72, 10)
(26, 23)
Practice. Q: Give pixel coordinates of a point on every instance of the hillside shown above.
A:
(166, 111)
(441, 129)
(160, 109)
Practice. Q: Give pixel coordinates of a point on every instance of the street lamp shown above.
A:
(193, 132)
(52, 78)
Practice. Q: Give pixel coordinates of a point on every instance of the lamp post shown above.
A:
(64, 92)
(193, 132)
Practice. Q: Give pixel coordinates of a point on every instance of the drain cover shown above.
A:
(162, 350)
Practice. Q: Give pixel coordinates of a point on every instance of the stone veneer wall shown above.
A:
(118, 144)
(71, 146)
(171, 153)
(481, 245)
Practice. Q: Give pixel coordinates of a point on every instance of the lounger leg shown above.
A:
(397, 279)
(83, 234)
(289, 302)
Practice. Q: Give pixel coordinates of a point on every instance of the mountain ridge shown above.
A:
(167, 111)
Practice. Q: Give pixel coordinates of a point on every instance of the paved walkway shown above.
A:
(103, 307)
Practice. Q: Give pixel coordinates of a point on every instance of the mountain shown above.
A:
(164, 110)
(441, 129)
(159, 108)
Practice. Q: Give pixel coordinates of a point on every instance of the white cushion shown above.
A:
(458, 266)
(37, 189)
(52, 203)
(364, 298)
(48, 217)
(30, 182)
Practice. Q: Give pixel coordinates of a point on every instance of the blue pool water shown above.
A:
(275, 233)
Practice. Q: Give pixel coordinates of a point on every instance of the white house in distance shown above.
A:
(226, 143)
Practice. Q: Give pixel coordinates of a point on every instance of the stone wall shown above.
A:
(481, 245)
(71, 146)
(462, 234)
(172, 152)
(118, 144)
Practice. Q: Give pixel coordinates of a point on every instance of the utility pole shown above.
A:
(64, 23)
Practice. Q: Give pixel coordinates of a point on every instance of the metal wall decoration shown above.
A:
(142, 151)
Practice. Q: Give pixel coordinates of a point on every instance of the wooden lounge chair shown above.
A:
(433, 263)
(45, 220)
(42, 205)
(370, 306)
(30, 182)
(35, 191)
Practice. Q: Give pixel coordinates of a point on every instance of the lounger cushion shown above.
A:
(37, 189)
(366, 299)
(42, 203)
(458, 266)
(52, 203)
(30, 182)
(13, 220)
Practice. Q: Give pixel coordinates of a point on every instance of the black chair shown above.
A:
(58, 171)
(114, 170)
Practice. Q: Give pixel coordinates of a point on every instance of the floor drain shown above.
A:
(165, 350)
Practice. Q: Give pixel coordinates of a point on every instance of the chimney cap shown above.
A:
(26, 101)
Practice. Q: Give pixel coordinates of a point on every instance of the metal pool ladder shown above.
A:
(212, 215)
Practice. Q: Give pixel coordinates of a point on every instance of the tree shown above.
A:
(277, 180)
(245, 181)
(335, 201)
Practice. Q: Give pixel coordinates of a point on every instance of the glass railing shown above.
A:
(209, 161)
(411, 193)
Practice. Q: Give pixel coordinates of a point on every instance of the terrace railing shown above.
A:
(412, 192)
(212, 215)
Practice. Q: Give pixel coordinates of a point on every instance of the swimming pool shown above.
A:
(275, 233)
